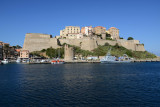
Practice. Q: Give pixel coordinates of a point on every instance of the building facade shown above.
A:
(114, 32)
(99, 30)
(24, 54)
(70, 30)
(1, 50)
(88, 30)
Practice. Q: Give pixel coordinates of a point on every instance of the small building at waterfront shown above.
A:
(24, 54)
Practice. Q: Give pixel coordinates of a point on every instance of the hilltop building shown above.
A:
(99, 30)
(88, 30)
(70, 32)
(114, 32)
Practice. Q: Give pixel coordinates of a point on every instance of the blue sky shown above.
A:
(139, 19)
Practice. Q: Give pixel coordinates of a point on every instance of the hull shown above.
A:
(57, 62)
(5, 62)
(115, 61)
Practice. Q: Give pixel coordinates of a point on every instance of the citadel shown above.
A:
(87, 38)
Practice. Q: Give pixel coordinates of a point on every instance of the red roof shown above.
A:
(112, 28)
(18, 50)
(101, 27)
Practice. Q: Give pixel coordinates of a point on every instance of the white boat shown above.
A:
(43, 61)
(112, 59)
(18, 60)
(5, 61)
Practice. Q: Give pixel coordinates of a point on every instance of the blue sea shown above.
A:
(80, 85)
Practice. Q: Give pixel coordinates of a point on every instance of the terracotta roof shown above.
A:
(18, 50)
(112, 28)
(101, 27)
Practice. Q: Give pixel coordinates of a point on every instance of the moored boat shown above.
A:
(112, 59)
(57, 62)
(5, 61)
(18, 60)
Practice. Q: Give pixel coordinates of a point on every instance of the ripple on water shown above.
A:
(134, 84)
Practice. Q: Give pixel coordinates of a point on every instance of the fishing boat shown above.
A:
(112, 59)
(57, 62)
(5, 61)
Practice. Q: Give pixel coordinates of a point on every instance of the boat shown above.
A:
(57, 62)
(18, 60)
(42, 61)
(1, 62)
(5, 61)
(112, 59)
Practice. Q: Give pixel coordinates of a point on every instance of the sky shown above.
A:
(139, 19)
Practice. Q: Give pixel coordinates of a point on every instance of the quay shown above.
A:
(83, 61)
(148, 60)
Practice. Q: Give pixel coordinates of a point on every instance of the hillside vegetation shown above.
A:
(100, 51)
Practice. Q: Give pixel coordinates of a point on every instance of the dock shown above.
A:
(97, 61)
(147, 60)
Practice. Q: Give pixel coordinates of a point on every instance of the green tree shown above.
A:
(43, 50)
(120, 37)
(130, 38)
(108, 35)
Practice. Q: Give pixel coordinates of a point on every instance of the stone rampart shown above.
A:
(37, 42)
(140, 47)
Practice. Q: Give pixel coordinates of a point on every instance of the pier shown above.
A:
(147, 60)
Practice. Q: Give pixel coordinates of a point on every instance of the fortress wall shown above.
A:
(126, 44)
(53, 43)
(130, 41)
(75, 42)
(140, 47)
(84, 43)
(37, 42)
(89, 44)
(102, 42)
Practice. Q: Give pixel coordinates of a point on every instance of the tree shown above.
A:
(106, 44)
(43, 50)
(108, 35)
(130, 38)
(120, 37)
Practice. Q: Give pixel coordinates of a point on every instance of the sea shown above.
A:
(80, 85)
